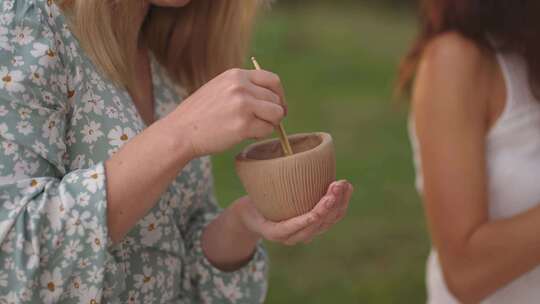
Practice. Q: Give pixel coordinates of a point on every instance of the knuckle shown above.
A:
(279, 112)
(241, 125)
(235, 73)
(242, 103)
(275, 78)
(238, 90)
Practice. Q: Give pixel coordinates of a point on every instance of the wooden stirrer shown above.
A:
(285, 144)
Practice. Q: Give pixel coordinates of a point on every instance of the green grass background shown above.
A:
(338, 64)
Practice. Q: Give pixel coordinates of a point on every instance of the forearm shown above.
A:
(227, 243)
(495, 254)
(139, 173)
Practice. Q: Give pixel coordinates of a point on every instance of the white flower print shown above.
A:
(231, 291)
(9, 147)
(9, 263)
(95, 275)
(3, 279)
(76, 285)
(50, 128)
(24, 113)
(78, 162)
(26, 294)
(47, 97)
(4, 132)
(92, 103)
(93, 179)
(91, 132)
(23, 35)
(40, 148)
(118, 102)
(83, 263)
(57, 210)
(151, 230)
(6, 18)
(4, 40)
(165, 108)
(83, 199)
(149, 298)
(17, 61)
(111, 112)
(10, 298)
(90, 295)
(258, 271)
(133, 297)
(47, 56)
(96, 239)
(72, 249)
(145, 281)
(11, 80)
(25, 127)
(3, 111)
(31, 251)
(8, 5)
(77, 222)
(118, 136)
(51, 286)
(37, 75)
(202, 272)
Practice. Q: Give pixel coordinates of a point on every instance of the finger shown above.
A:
(341, 212)
(282, 230)
(320, 212)
(267, 111)
(265, 94)
(339, 190)
(304, 235)
(259, 129)
(270, 81)
(335, 190)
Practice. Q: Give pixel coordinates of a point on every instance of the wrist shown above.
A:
(178, 141)
(238, 221)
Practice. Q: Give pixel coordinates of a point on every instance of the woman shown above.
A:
(476, 135)
(105, 187)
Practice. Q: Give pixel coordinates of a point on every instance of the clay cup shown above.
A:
(282, 187)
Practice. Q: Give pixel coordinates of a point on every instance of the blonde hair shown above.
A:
(194, 43)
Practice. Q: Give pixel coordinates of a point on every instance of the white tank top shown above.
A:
(513, 167)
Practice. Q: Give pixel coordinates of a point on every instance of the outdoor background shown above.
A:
(337, 61)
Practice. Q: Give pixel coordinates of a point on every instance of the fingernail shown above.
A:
(337, 189)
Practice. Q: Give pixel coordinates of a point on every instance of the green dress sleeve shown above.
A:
(205, 282)
(53, 232)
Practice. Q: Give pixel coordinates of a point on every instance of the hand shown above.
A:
(234, 106)
(302, 229)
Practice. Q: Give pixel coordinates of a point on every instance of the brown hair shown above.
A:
(512, 25)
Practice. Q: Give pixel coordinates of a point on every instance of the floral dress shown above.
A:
(59, 121)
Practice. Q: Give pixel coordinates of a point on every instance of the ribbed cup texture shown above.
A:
(285, 187)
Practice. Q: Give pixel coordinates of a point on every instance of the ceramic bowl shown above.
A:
(282, 187)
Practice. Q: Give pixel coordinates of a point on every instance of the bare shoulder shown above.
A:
(454, 74)
(455, 49)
